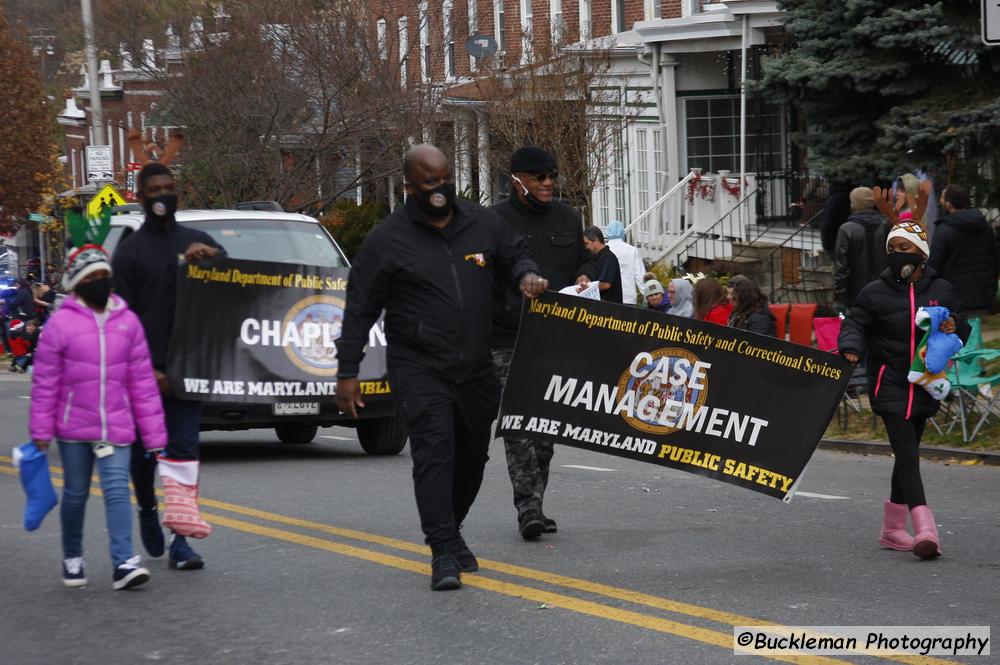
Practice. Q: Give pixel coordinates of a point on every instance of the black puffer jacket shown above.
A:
(963, 252)
(881, 324)
(760, 321)
(860, 254)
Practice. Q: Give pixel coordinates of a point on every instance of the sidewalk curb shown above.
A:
(928, 452)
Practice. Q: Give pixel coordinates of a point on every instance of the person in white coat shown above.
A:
(629, 260)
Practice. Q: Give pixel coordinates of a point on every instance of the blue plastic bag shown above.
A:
(33, 468)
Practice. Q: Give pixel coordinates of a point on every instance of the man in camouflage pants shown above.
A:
(554, 234)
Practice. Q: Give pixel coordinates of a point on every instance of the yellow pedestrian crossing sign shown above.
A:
(107, 196)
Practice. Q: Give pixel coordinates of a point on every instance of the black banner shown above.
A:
(720, 402)
(250, 331)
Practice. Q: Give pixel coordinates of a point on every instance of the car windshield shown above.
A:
(279, 241)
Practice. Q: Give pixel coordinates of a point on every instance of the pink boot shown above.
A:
(925, 542)
(894, 534)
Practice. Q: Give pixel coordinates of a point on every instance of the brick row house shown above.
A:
(674, 85)
(675, 76)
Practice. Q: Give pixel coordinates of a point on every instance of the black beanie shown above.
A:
(532, 159)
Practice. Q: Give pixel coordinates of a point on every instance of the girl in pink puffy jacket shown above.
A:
(93, 386)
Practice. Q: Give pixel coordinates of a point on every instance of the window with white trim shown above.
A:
(473, 29)
(382, 38)
(425, 43)
(556, 22)
(527, 31)
(585, 21)
(500, 25)
(404, 48)
(712, 125)
(652, 10)
(617, 16)
(449, 40)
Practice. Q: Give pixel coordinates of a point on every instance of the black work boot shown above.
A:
(530, 525)
(446, 574)
(466, 559)
(550, 525)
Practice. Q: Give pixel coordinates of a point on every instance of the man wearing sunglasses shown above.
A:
(554, 233)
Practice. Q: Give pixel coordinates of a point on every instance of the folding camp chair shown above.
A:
(800, 327)
(780, 312)
(827, 329)
(965, 403)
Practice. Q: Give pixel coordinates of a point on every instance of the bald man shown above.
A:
(430, 265)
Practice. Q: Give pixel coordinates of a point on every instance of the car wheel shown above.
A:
(382, 436)
(296, 433)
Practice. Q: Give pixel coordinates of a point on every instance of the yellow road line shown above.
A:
(577, 605)
(516, 590)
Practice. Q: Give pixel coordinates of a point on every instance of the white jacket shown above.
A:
(632, 269)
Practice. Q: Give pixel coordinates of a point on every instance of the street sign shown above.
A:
(108, 196)
(100, 164)
(132, 182)
(991, 22)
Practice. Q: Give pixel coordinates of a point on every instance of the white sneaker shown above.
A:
(74, 574)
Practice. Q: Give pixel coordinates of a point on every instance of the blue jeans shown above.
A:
(78, 464)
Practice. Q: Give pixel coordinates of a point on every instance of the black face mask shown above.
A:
(904, 264)
(436, 203)
(530, 199)
(95, 292)
(160, 209)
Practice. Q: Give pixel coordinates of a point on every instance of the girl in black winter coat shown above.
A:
(750, 310)
(880, 326)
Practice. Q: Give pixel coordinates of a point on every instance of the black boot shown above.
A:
(550, 525)
(466, 559)
(530, 525)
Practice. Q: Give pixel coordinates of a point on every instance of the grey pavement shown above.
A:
(283, 596)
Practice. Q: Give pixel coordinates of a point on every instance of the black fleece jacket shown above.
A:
(555, 241)
(435, 286)
(145, 275)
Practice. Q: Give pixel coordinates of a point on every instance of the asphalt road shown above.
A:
(317, 558)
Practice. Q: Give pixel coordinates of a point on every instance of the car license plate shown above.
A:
(296, 409)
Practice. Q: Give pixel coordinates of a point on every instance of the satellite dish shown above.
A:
(480, 46)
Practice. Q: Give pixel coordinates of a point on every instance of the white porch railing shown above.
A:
(662, 223)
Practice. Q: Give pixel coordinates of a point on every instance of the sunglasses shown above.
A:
(542, 177)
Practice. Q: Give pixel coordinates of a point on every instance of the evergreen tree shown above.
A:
(889, 86)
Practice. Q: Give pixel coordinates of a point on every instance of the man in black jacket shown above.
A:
(963, 250)
(145, 270)
(609, 274)
(553, 231)
(860, 253)
(431, 266)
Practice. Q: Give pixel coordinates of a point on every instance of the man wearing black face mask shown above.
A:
(431, 266)
(145, 274)
(554, 233)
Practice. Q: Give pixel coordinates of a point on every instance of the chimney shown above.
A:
(107, 82)
(195, 34)
(173, 40)
(125, 56)
(148, 54)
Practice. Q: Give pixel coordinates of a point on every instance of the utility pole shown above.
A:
(97, 114)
